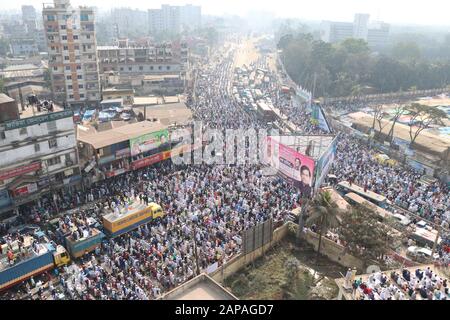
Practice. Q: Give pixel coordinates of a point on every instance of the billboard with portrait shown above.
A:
(148, 142)
(295, 167)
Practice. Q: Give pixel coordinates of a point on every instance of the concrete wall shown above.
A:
(333, 251)
(240, 261)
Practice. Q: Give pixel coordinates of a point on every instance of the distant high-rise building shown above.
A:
(174, 19)
(360, 26)
(29, 18)
(333, 32)
(376, 34)
(72, 50)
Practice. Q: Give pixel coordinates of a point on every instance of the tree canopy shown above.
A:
(346, 68)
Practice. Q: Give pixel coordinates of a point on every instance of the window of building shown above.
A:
(80, 86)
(168, 67)
(77, 47)
(52, 143)
(71, 96)
(84, 17)
(66, 47)
(130, 68)
(70, 87)
(53, 48)
(37, 147)
(80, 76)
(63, 27)
(121, 68)
(23, 131)
(141, 68)
(76, 38)
(50, 18)
(151, 67)
(88, 36)
(90, 56)
(89, 46)
(78, 67)
(53, 161)
(2, 135)
(50, 38)
(82, 95)
(55, 68)
(69, 77)
(68, 68)
(160, 68)
(77, 57)
(66, 57)
(64, 37)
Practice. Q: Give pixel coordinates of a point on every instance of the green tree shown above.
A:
(422, 117)
(363, 234)
(399, 110)
(407, 51)
(47, 78)
(323, 213)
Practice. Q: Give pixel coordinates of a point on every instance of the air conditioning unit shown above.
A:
(69, 163)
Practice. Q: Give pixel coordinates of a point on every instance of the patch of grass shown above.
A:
(267, 278)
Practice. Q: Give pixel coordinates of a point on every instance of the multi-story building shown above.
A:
(123, 63)
(336, 31)
(174, 19)
(29, 18)
(360, 26)
(127, 22)
(190, 17)
(72, 50)
(37, 154)
(24, 47)
(376, 34)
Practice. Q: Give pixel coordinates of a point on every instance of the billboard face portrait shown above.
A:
(148, 142)
(293, 166)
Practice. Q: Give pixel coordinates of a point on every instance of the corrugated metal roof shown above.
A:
(118, 134)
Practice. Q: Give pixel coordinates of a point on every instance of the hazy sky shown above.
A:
(429, 12)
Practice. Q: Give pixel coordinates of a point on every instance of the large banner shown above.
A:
(324, 164)
(292, 165)
(318, 115)
(148, 141)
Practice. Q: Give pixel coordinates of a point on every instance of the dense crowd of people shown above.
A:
(208, 206)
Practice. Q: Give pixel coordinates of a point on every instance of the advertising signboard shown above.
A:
(148, 141)
(292, 165)
(20, 171)
(323, 166)
(318, 115)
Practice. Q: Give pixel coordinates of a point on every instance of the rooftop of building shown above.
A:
(169, 113)
(146, 101)
(20, 67)
(5, 99)
(32, 111)
(202, 287)
(161, 76)
(117, 90)
(118, 133)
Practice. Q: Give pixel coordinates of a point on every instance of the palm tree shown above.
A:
(323, 212)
